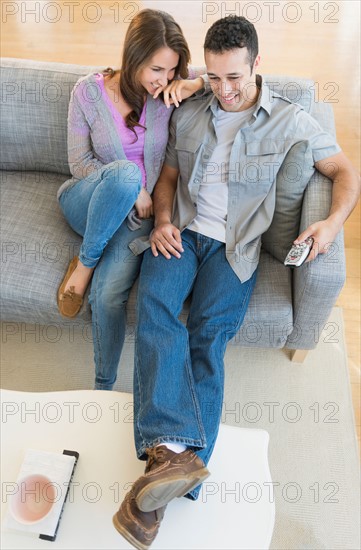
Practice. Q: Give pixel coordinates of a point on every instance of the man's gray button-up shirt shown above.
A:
(258, 154)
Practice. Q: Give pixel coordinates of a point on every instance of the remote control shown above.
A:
(299, 253)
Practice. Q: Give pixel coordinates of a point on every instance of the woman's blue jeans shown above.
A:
(179, 374)
(96, 208)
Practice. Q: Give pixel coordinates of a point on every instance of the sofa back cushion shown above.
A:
(34, 111)
(297, 169)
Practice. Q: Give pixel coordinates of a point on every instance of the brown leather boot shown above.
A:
(139, 528)
(168, 475)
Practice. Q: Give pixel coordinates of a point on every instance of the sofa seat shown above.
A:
(32, 269)
(37, 245)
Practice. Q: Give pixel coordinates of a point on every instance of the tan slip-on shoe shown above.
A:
(69, 303)
(137, 527)
(168, 475)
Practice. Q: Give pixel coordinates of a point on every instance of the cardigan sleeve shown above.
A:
(195, 72)
(82, 161)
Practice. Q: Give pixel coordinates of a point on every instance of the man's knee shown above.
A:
(153, 275)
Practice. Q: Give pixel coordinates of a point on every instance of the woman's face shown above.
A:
(159, 70)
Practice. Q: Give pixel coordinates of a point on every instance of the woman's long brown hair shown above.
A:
(148, 31)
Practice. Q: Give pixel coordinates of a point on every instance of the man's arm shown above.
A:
(165, 237)
(345, 194)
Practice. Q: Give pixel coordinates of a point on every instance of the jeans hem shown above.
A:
(86, 261)
(103, 387)
(193, 495)
(194, 444)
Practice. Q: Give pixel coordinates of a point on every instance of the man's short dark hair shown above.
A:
(230, 33)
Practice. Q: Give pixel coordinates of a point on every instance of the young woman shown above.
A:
(117, 135)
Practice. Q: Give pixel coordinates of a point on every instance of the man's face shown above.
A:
(231, 79)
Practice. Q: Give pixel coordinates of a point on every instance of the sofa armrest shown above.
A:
(317, 284)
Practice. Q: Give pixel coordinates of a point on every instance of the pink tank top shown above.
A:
(133, 150)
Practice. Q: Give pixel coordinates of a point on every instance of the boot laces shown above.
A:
(155, 455)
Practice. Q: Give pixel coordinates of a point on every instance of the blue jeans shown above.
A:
(179, 372)
(96, 208)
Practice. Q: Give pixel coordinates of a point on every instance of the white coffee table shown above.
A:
(235, 509)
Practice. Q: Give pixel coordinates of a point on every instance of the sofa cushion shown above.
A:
(37, 245)
(297, 168)
(291, 182)
(297, 90)
(269, 317)
(34, 111)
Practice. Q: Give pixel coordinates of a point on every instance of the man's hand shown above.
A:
(323, 234)
(166, 238)
(178, 90)
(144, 204)
(345, 194)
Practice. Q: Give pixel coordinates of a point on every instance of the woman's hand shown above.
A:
(178, 90)
(144, 204)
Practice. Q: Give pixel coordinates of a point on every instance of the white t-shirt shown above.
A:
(212, 203)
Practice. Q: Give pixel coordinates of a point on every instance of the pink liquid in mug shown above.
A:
(34, 499)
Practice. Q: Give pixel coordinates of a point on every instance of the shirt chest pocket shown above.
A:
(187, 152)
(263, 160)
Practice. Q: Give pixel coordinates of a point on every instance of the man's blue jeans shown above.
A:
(179, 374)
(96, 208)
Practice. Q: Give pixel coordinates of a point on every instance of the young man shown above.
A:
(206, 240)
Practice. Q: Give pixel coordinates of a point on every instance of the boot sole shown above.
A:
(158, 493)
(128, 536)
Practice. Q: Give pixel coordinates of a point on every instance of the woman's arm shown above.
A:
(195, 72)
(179, 89)
(82, 161)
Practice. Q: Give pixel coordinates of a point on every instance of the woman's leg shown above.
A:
(112, 281)
(95, 208)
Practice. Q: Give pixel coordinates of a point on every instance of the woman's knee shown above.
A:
(124, 175)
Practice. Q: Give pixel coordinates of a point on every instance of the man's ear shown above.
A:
(257, 62)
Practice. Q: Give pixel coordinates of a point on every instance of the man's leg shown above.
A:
(219, 304)
(166, 408)
(178, 372)
(165, 402)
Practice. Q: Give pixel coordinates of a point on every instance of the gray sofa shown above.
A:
(288, 308)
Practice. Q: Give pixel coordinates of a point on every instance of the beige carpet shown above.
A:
(306, 409)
